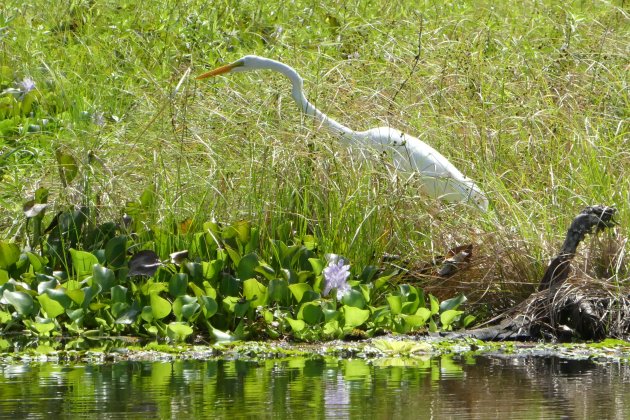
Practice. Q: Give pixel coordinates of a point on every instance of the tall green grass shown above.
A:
(530, 99)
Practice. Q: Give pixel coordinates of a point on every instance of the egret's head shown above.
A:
(249, 62)
(477, 197)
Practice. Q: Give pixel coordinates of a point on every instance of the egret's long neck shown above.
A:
(297, 93)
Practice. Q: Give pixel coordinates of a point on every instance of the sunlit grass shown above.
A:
(529, 99)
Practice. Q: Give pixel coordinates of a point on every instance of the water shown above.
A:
(442, 387)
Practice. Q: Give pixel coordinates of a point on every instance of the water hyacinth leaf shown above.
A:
(68, 168)
(178, 284)
(410, 308)
(298, 290)
(4, 276)
(59, 295)
(119, 294)
(255, 292)
(449, 316)
(432, 326)
(331, 329)
(266, 270)
(147, 314)
(212, 269)
(297, 325)
(22, 302)
(234, 255)
(77, 296)
(5, 317)
(38, 263)
(278, 290)
(128, 316)
(468, 320)
(178, 331)
(368, 273)
(452, 303)
(185, 307)
(208, 290)
(424, 313)
(311, 313)
(395, 304)
(144, 263)
(209, 306)
(160, 307)
(354, 298)
(45, 283)
(9, 254)
(229, 303)
(75, 315)
(435, 304)
(230, 286)
(241, 308)
(247, 266)
(82, 262)
(310, 295)
(243, 230)
(354, 317)
(104, 277)
(318, 265)
(42, 329)
(195, 271)
(116, 251)
(51, 307)
(414, 321)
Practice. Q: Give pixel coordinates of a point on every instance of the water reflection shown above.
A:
(447, 386)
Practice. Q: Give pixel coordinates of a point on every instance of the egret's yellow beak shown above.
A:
(220, 70)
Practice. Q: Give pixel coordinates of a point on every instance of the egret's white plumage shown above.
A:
(440, 179)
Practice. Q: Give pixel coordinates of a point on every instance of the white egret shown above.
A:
(440, 179)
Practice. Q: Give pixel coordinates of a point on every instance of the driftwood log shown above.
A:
(561, 309)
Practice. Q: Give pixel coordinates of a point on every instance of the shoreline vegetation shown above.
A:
(137, 201)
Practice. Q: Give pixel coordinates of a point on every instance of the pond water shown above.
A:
(439, 387)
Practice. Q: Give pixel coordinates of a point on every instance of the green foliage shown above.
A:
(231, 295)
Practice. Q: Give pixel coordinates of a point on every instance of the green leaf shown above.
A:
(209, 306)
(52, 308)
(414, 321)
(318, 265)
(424, 313)
(298, 290)
(119, 294)
(77, 296)
(354, 317)
(246, 268)
(447, 317)
(4, 276)
(311, 313)
(22, 302)
(104, 277)
(278, 290)
(452, 303)
(82, 262)
(116, 251)
(212, 269)
(255, 292)
(42, 328)
(178, 331)
(60, 295)
(9, 254)
(178, 284)
(435, 305)
(432, 326)
(185, 307)
(297, 325)
(468, 320)
(395, 304)
(354, 298)
(160, 307)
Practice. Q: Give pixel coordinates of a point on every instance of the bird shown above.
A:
(440, 178)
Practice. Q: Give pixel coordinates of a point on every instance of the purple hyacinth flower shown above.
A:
(336, 275)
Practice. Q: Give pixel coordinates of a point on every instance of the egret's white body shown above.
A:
(440, 178)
